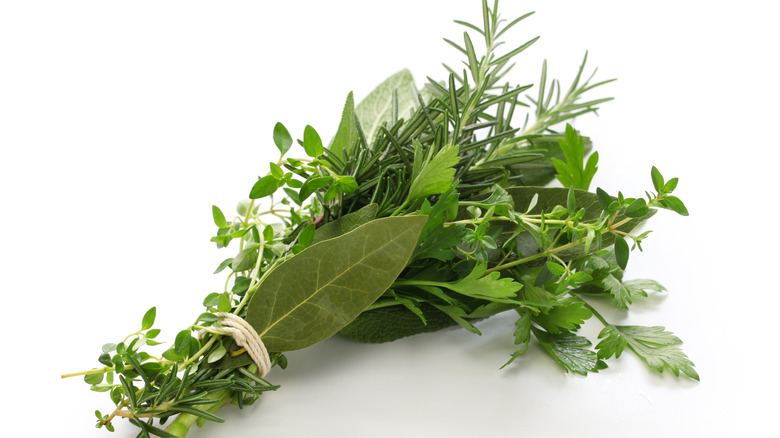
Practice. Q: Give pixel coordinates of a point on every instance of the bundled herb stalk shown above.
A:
(427, 209)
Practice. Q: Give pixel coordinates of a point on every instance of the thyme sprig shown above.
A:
(445, 188)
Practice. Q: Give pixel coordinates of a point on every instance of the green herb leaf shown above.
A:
(604, 199)
(487, 287)
(182, 342)
(522, 336)
(265, 186)
(621, 252)
(555, 268)
(657, 347)
(347, 134)
(620, 293)
(148, 320)
(673, 203)
(436, 175)
(572, 173)
(346, 223)
(224, 303)
(638, 208)
(311, 185)
(245, 260)
(94, 379)
(225, 263)
(276, 171)
(640, 286)
(312, 143)
(566, 315)
(327, 285)
(570, 351)
(217, 354)
(282, 138)
(549, 197)
(658, 180)
(459, 316)
(670, 185)
(219, 218)
(377, 107)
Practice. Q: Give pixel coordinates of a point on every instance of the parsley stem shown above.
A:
(592, 309)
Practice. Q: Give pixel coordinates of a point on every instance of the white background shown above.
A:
(121, 123)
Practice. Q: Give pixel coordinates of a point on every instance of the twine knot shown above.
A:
(245, 336)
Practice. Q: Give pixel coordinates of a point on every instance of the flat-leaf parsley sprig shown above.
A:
(430, 207)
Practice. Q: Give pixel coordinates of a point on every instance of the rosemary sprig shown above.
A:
(429, 207)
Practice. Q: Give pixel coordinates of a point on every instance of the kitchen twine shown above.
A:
(245, 336)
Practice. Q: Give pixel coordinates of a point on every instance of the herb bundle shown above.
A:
(428, 208)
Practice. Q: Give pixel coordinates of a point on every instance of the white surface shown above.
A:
(122, 123)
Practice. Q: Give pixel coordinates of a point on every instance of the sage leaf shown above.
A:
(347, 134)
(312, 295)
(377, 107)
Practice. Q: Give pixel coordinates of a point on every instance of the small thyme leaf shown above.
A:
(427, 209)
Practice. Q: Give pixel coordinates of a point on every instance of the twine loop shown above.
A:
(245, 336)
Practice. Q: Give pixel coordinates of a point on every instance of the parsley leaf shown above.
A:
(489, 287)
(657, 347)
(620, 293)
(436, 174)
(572, 173)
(522, 335)
(570, 351)
(567, 314)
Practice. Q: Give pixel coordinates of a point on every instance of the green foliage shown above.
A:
(435, 174)
(148, 319)
(346, 223)
(425, 211)
(312, 143)
(347, 135)
(572, 172)
(392, 99)
(566, 315)
(311, 296)
(570, 351)
(656, 346)
(282, 138)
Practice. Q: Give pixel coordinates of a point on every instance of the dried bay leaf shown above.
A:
(346, 223)
(311, 296)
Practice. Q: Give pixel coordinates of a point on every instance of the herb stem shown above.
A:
(592, 309)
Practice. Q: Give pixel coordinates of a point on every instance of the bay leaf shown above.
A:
(312, 295)
(346, 223)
